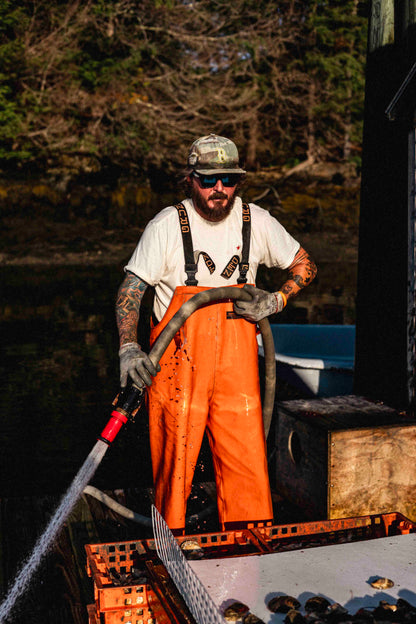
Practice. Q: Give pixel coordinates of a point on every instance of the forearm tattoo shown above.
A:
(300, 273)
(129, 297)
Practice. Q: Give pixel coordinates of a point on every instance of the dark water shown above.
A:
(59, 376)
(59, 371)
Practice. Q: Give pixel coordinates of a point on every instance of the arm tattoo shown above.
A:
(301, 273)
(129, 297)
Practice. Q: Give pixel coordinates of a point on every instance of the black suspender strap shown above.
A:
(190, 266)
(245, 253)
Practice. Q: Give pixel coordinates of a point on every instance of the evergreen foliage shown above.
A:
(91, 84)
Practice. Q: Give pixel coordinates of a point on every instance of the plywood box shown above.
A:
(345, 456)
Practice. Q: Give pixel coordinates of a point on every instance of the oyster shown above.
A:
(283, 604)
(336, 613)
(235, 611)
(403, 604)
(384, 612)
(382, 583)
(294, 617)
(191, 549)
(405, 611)
(317, 604)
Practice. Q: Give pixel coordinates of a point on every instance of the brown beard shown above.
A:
(213, 214)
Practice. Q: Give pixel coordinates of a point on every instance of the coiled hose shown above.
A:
(202, 298)
(216, 294)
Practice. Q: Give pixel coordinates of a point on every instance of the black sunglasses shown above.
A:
(209, 181)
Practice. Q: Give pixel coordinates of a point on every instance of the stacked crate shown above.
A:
(121, 591)
(132, 587)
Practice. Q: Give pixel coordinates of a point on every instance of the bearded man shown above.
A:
(208, 377)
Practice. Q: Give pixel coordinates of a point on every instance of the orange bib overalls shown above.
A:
(209, 381)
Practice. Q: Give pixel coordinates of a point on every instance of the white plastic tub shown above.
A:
(318, 360)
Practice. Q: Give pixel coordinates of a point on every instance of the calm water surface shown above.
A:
(59, 376)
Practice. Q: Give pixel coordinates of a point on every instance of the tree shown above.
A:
(333, 61)
(130, 85)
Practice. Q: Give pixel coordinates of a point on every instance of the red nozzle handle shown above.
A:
(113, 426)
(126, 404)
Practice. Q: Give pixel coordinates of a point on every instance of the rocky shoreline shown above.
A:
(324, 247)
(102, 225)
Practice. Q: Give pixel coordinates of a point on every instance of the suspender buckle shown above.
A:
(190, 270)
(243, 267)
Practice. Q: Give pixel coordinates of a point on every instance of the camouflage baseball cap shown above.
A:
(214, 154)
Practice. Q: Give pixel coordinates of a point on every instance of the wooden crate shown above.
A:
(345, 456)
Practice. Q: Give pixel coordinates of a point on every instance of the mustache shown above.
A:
(218, 195)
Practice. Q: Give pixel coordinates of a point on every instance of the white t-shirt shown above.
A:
(159, 256)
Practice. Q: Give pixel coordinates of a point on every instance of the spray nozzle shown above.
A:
(129, 400)
(126, 405)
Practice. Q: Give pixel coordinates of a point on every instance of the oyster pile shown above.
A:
(318, 610)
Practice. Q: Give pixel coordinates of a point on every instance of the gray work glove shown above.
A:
(137, 364)
(262, 304)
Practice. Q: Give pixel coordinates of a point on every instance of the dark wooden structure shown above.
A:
(403, 107)
(385, 325)
(345, 456)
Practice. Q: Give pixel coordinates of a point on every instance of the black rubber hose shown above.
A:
(206, 297)
(125, 512)
(269, 373)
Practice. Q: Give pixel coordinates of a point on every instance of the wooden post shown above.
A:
(381, 27)
(384, 368)
(411, 296)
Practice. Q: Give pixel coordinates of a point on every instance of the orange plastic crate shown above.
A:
(110, 563)
(325, 532)
(128, 616)
(227, 544)
(107, 564)
(118, 602)
(121, 557)
(134, 616)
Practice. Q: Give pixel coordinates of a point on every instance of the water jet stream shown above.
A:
(46, 540)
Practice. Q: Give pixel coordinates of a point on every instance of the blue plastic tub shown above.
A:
(317, 359)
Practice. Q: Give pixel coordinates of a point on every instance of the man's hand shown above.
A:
(137, 364)
(262, 304)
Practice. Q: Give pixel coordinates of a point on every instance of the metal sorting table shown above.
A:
(341, 573)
